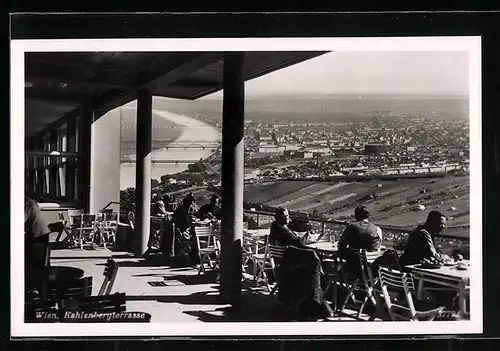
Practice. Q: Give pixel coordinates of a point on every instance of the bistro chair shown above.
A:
(72, 225)
(109, 227)
(260, 262)
(397, 288)
(110, 272)
(276, 253)
(332, 269)
(156, 231)
(87, 229)
(357, 283)
(207, 246)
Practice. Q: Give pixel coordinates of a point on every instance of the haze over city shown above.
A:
(368, 72)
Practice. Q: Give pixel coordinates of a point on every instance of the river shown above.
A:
(193, 130)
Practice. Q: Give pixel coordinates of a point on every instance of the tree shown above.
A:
(127, 200)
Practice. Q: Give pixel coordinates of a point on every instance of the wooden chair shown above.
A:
(72, 225)
(87, 229)
(396, 284)
(275, 253)
(156, 233)
(261, 261)
(109, 227)
(332, 269)
(110, 272)
(361, 282)
(207, 247)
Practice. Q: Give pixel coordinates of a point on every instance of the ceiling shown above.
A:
(57, 84)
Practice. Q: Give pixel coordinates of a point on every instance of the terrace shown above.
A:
(72, 156)
(179, 294)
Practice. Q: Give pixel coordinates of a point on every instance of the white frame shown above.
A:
(20, 47)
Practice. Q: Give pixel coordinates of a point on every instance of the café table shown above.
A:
(331, 249)
(448, 276)
(255, 237)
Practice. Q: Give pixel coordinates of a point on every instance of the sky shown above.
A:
(369, 72)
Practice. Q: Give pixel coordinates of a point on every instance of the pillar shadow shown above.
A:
(199, 298)
(254, 307)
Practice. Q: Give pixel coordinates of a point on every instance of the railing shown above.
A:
(109, 204)
(393, 235)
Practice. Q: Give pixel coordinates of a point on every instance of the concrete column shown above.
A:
(232, 177)
(85, 138)
(143, 170)
(71, 162)
(53, 166)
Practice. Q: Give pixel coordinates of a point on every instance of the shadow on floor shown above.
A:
(154, 261)
(199, 298)
(92, 257)
(254, 307)
(193, 279)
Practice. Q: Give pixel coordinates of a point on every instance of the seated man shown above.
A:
(420, 242)
(211, 210)
(183, 221)
(158, 207)
(358, 236)
(282, 235)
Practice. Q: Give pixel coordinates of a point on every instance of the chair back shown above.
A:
(397, 283)
(366, 273)
(205, 238)
(74, 217)
(88, 221)
(61, 217)
(275, 252)
(110, 217)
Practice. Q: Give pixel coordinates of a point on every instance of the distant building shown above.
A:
(375, 149)
(269, 149)
(304, 154)
(291, 147)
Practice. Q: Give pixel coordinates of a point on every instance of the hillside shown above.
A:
(391, 202)
(321, 107)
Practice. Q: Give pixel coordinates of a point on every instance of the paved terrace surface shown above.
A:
(184, 296)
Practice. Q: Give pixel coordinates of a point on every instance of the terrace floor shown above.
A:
(181, 295)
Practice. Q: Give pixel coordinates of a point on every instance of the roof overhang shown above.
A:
(58, 84)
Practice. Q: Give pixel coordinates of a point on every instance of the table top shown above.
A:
(324, 246)
(444, 272)
(256, 233)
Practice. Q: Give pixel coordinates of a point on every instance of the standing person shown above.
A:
(420, 242)
(358, 236)
(36, 241)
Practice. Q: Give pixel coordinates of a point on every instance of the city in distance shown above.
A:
(322, 155)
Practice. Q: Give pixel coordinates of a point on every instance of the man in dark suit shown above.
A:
(211, 210)
(360, 235)
(280, 233)
(420, 242)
